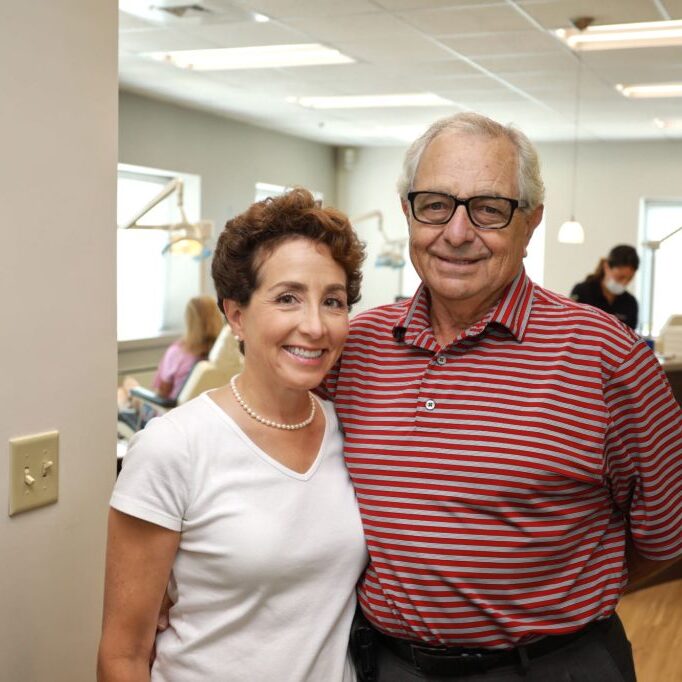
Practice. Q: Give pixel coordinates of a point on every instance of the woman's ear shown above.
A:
(233, 315)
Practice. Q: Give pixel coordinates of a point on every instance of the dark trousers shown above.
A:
(603, 654)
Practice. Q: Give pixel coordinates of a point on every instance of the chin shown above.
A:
(304, 381)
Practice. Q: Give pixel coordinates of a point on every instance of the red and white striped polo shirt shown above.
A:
(495, 475)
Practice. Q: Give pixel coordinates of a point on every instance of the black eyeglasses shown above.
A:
(486, 213)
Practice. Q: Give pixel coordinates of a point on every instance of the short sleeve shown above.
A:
(168, 367)
(643, 457)
(154, 484)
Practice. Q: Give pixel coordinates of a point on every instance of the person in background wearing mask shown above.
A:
(605, 288)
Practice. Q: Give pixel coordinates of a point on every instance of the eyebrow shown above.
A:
(297, 286)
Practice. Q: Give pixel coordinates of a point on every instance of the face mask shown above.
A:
(616, 288)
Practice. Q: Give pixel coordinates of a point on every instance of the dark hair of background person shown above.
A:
(254, 234)
(622, 255)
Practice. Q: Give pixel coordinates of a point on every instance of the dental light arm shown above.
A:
(184, 237)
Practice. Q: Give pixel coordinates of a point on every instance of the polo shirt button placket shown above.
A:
(441, 360)
(430, 405)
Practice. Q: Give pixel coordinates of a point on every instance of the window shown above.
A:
(152, 287)
(659, 280)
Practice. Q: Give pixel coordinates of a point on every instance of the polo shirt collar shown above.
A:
(511, 312)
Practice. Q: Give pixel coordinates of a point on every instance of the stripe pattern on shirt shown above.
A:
(495, 475)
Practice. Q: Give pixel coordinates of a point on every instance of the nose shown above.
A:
(460, 229)
(311, 323)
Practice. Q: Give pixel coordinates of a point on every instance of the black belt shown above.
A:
(460, 661)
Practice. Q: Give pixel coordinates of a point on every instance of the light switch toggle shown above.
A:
(34, 471)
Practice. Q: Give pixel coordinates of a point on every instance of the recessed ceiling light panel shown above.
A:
(622, 36)
(668, 123)
(650, 90)
(262, 57)
(421, 99)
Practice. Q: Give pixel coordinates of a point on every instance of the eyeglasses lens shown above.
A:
(489, 212)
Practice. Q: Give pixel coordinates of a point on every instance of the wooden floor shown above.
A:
(653, 621)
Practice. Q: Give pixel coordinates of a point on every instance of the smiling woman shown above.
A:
(239, 499)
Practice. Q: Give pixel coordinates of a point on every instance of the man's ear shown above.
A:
(233, 315)
(405, 205)
(533, 220)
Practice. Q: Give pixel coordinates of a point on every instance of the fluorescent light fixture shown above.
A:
(668, 123)
(622, 36)
(262, 57)
(650, 90)
(260, 18)
(423, 99)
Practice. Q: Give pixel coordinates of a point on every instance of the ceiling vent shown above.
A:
(181, 11)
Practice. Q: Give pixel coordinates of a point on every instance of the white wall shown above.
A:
(612, 179)
(229, 156)
(58, 340)
(368, 184)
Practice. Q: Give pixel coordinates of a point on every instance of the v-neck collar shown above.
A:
(261, 454)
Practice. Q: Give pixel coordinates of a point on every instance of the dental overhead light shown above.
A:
(391, 251)
(184, 237)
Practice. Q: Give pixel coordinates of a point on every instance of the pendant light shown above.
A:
(571, 231)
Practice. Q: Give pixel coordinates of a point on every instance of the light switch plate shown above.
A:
(34, 471)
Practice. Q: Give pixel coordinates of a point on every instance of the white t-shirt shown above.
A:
(264, 578)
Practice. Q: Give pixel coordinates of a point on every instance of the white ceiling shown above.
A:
(495, 57)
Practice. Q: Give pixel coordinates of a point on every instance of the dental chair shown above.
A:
(223, 362)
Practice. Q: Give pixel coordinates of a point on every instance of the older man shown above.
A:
(506, 444)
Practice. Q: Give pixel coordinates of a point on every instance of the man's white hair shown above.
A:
(531, 186)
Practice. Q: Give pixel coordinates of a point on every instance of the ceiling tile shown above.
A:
(396, 5)
(128, 22)
(383, 51)
(512, 63)
(160, 39)
(460, 21)
(501, 43)
(244, 34)
(651, 57)
(674, 8)
(355, 27)
(282, 9)
(412, 75)
(553, 14)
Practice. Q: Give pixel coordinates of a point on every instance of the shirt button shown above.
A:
(441, 360)
(430, 405)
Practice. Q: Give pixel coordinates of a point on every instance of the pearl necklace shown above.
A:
(267, 422)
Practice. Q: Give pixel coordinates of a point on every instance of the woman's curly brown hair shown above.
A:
(250, 236)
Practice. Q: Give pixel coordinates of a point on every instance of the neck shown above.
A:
(271, 400)
(449, 319)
